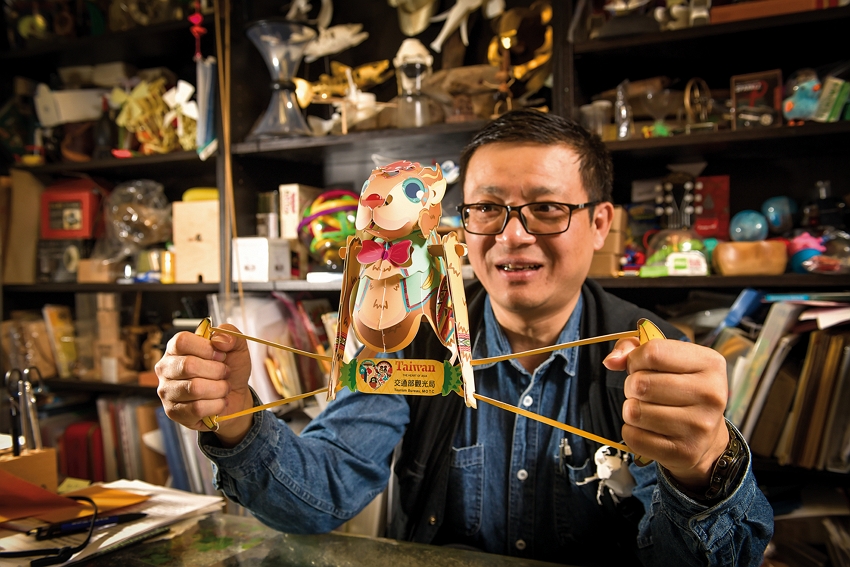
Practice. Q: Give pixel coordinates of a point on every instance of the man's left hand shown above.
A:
(675, 398)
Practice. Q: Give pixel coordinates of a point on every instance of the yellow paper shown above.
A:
(105, 498)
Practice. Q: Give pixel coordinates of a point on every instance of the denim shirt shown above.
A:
(514, 485)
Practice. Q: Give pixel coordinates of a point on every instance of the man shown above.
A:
(537, 192)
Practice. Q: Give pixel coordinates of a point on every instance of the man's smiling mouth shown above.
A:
(518, 267)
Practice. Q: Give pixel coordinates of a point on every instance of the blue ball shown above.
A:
(779, 212)
(800, 257)
(748, 226)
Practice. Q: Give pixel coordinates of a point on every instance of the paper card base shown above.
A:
(411, 377)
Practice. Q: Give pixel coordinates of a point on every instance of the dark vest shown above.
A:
(422, 469)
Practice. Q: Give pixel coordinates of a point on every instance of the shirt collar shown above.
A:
(493, 342)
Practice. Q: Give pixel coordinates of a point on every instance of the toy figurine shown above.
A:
(398, 270)
(803, 102)
(458, 17)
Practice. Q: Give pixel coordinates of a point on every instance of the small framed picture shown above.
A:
(757, 100)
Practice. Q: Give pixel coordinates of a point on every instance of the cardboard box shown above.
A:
(36, 466)
(294, 198)
(765, 8)
(19, 261)
(197, 238)
(259, 259)
(621, 219)
(604, 266)
(95, 270)
(615, 243)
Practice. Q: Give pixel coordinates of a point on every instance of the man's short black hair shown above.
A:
(532, 126)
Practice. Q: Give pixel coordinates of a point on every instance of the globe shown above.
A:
(326, 224)
(779, 212)
(748, 226)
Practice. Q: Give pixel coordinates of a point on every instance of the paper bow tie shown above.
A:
(177, 99)
(396, 254)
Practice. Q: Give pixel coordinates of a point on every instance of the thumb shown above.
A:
(616, 359)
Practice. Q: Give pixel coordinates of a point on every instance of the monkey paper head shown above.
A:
(399, 198)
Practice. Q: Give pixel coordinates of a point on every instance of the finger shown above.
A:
(182, 391)
(225, 342)
(191, 414)
(676, 390)
(674, 356)
(175, 367)
(186, 343)
(616, 359)
(670, 421)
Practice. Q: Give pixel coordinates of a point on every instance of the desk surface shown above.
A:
(223, 540)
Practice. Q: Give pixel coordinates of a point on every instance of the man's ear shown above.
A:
(603, 216)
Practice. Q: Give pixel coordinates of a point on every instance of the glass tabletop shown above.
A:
(228, 541)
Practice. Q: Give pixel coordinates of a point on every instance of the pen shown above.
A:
(78, 526)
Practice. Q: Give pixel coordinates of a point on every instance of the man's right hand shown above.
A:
(201, 377)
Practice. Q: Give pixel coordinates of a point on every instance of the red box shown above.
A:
(711, 196)
(71, 209)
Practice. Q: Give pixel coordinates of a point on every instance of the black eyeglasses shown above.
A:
(537, 218)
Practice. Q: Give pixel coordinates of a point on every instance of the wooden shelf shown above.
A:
(395, 140)
(95, 43)
(809, 134)
(57, 385)
(713, 30)
(716, 282)
(152, 165)
(719, 282)
(110, 288)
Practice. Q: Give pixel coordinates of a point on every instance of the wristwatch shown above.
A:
(724, 475)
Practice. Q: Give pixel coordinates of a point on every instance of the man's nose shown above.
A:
(514, 231)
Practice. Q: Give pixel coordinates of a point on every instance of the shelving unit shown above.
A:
(782, 160)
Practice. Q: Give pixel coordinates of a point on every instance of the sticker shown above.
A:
(412, 377)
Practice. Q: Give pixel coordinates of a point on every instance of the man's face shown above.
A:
(524, 274)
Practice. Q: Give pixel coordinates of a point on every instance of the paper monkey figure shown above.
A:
(397, 270)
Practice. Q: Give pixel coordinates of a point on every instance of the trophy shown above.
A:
(282, 45)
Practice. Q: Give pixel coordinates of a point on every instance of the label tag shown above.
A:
(417, 377)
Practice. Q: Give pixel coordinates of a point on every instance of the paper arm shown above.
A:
(350, 277)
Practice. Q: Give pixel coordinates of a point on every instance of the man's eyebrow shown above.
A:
(532, 193)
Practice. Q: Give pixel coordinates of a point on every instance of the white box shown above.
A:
(61, 107)
(259, 259)
(294, 198)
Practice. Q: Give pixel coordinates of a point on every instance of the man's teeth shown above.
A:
(519, 267)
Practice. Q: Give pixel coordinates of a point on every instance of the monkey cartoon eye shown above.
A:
(414, 190)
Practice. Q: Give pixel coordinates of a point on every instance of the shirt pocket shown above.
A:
(568, 497)
(466, 490)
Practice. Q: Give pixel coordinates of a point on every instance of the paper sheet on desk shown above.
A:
(165, 506)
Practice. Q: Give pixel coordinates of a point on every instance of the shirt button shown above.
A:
(527, 401)
(522, 474)
(432, 520)
(520, 544)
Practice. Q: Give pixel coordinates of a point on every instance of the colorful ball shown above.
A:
(748, 226)
(326, 225)
(779, 212)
